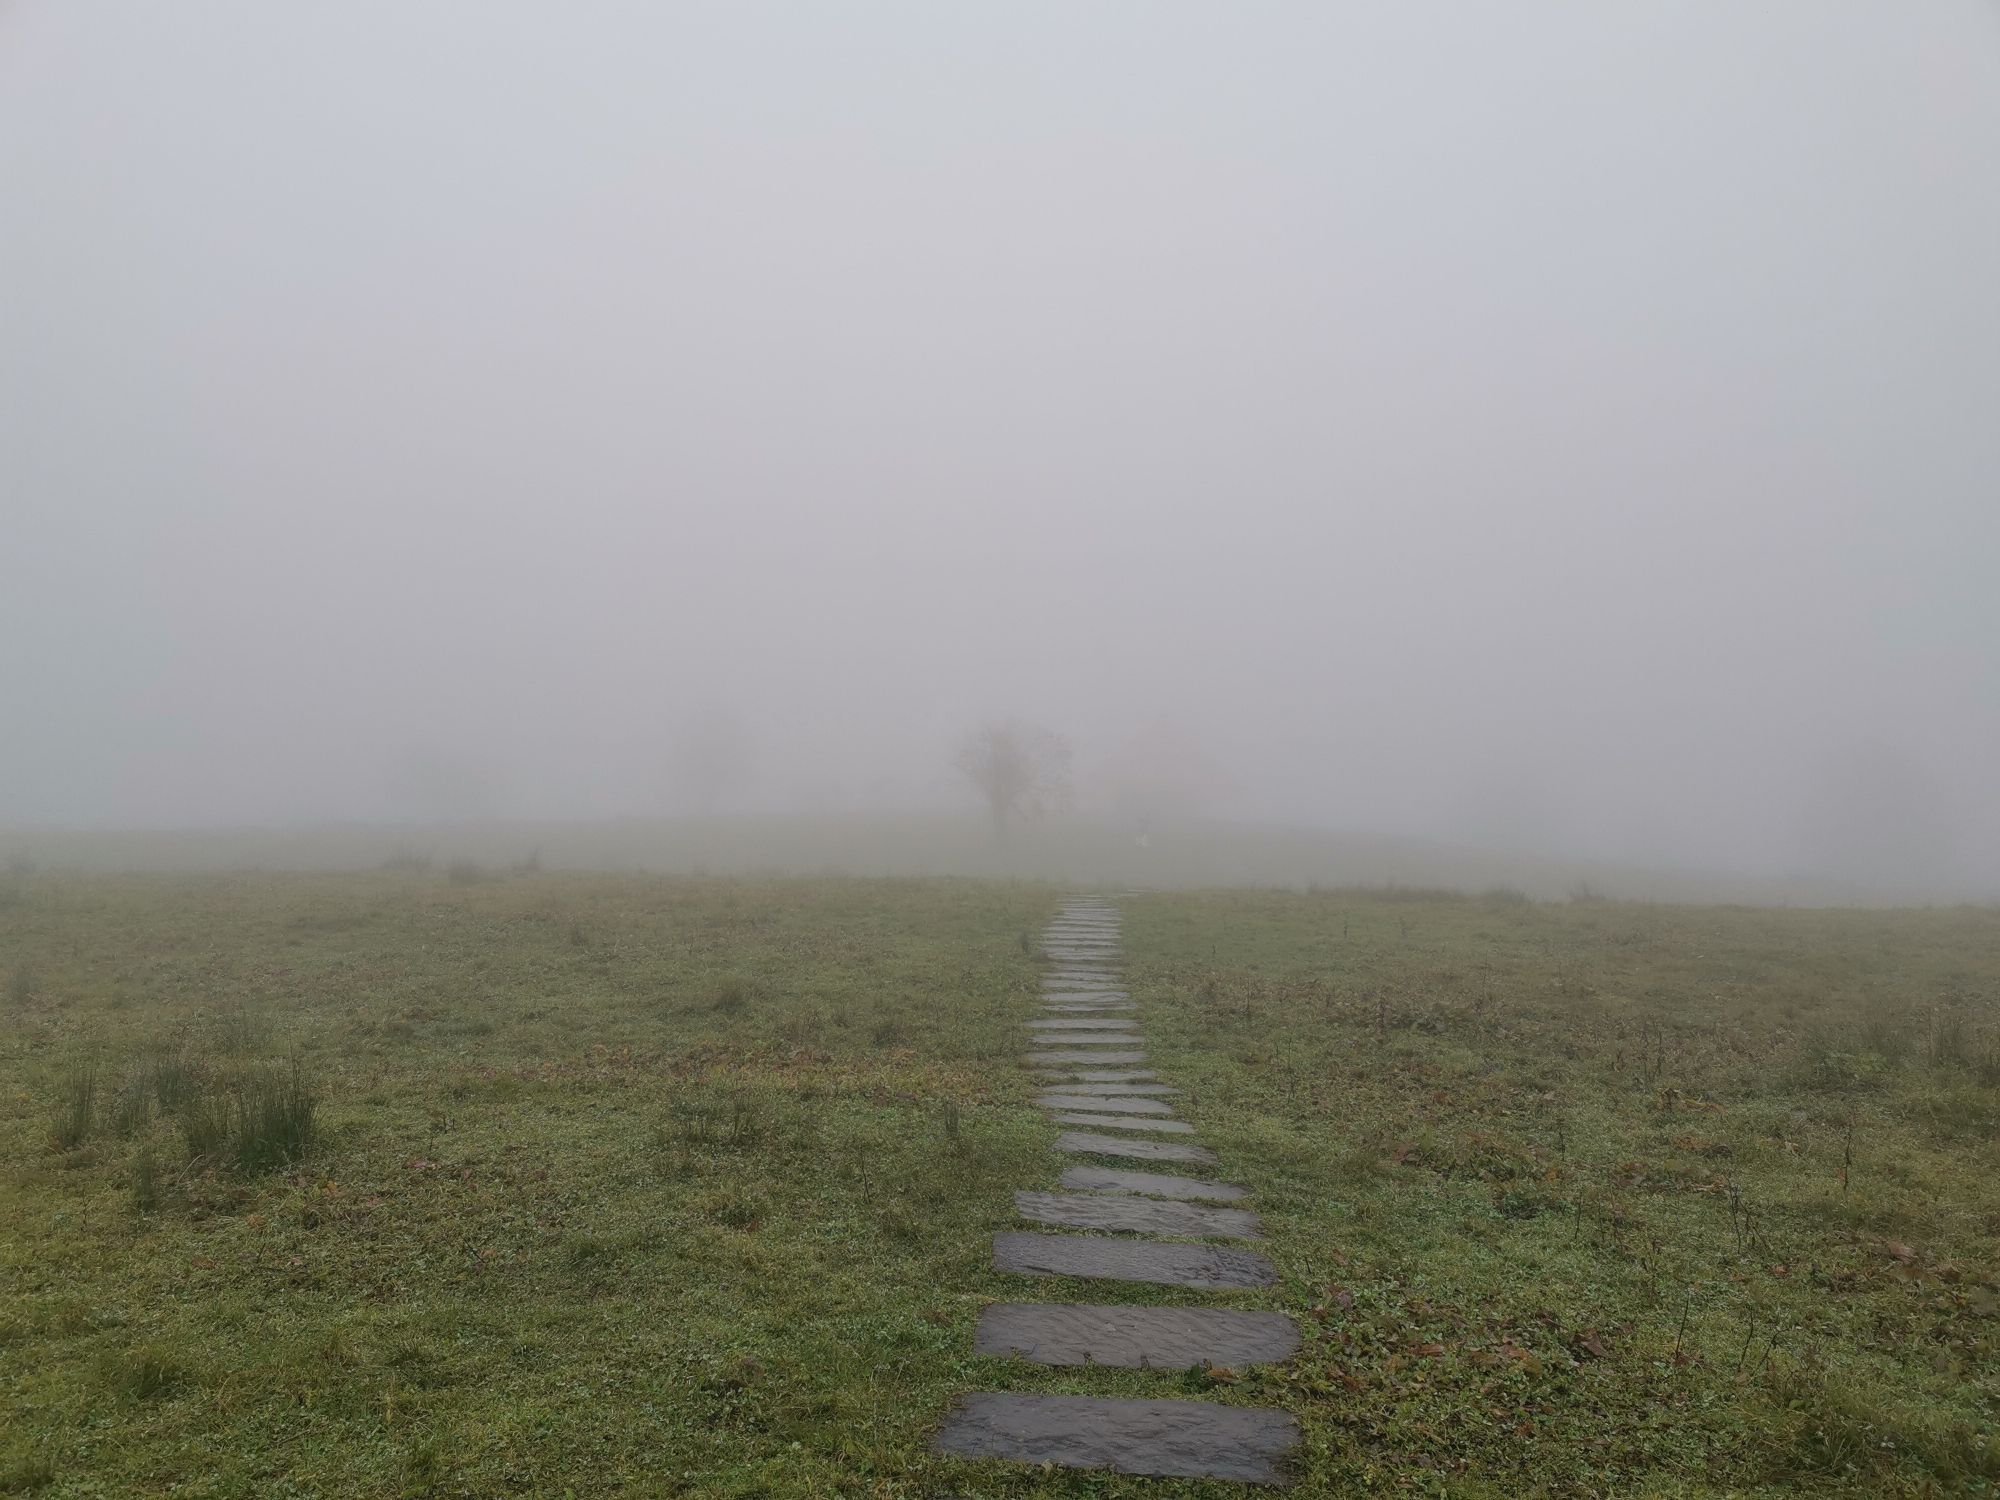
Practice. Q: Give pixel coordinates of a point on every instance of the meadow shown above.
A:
(468, 1181)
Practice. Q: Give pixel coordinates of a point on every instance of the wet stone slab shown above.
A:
(1111, 1104)
(1123, 1122)
(1087, 1143)
(1158, 1184)
(1112, 1090)
(1135, 1338)
(1134, 1215)
(1081, 1055)
(1085, 1007)
(1099, 1258)
(1089, 1036)
(1067, 1076)
(1083, 1023)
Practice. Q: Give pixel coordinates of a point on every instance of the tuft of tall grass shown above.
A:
(276, 1110)
(76, 1103)
(20, 986)
(145, 1180)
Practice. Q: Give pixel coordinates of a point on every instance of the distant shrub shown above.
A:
(465, 872)
(20, 986)
(729, 997)
(1505, 895)
(406, 864)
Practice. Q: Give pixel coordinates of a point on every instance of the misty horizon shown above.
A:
(1566, 431)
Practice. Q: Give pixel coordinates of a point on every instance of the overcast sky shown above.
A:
(1568, 423)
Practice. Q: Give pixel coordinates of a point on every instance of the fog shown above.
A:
(1563, 429)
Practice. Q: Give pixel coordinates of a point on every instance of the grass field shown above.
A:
(439, 1183)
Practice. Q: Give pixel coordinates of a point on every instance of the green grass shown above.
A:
(406, 1184)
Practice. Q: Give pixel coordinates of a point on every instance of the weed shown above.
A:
(20, 986)
(730, 997)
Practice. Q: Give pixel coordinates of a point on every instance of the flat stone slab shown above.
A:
(1091, 1037)
(1097, 1257)
(1123, 1122)
(1100, 1075)
(1117, 1211)
(1135, 1338)
(1058, 1059)
(1111, 1090)
(1086, 1007)
(1114, 1104)
(1084, 1143)
(1083, 1023)
(1159, 1184)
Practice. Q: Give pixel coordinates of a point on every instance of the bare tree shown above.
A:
(1022, 771)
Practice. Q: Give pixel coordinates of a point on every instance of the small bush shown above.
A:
(464, 872)
(20, 986)
(730, 997)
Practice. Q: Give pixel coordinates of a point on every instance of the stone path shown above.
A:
(1135, 1228)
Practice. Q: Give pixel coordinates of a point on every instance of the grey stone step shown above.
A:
(1135, 1338)
(1160, 1184)
(1087, 1007)
(1097, 1257)
(1086, 1143)
(1060, 1059)
(1123, 1122)
(1111, 1090)
(1083, 1023)
(1114, 1104)
(1157, 1439)
(1134, 1215)
(1062, 1078)
(1091, 1038)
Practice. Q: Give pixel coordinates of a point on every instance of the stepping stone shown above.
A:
(1108, 1075)
(1083, 1023)
(1116, 1104)
(1058, 1059)
(1135, 1338)
(1123, 1122)
(1096, 1257)
(1126, 1035)
(1094, 993)
(1083, 1143)
(1114, 1211)
(1078, 1007)
(1157, 1439)
(1112, 1090)
(1159, 1184)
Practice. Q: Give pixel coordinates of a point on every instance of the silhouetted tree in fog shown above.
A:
(1022, 771)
